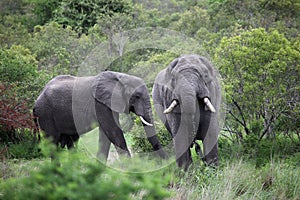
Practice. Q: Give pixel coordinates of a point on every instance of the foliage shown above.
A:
(192, 20)
(13, 113)
(83, 14)
(8, 7)
(12, 31)
(150, 63)
(254, 14)
(57, 49)
(260, 65)
(141, 143)
(260, 152)
(17, 64)
(240, 180)
(43, 10)
(73, 176)
(17, 138)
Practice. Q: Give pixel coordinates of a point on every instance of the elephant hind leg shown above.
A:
(48, 126)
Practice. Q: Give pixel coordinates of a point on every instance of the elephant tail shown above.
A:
(36, 130)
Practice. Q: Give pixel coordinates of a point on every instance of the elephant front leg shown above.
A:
(110, 126)
(104, 146)
(210, 146)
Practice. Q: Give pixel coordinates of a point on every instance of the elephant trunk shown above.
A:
(151, 133)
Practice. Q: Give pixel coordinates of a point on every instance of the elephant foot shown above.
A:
(214, 162)
(185, 160)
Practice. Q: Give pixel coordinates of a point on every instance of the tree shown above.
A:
(261, 75)
(44, 10)
(192, 20)
(83, 14)
(18, 67)
(58, 50)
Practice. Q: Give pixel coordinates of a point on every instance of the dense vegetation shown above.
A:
(255, 44)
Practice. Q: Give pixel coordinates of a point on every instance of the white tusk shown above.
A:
(209, 105)
(145, 122)
(171, 107)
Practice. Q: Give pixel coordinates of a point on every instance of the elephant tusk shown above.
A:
(145, 122)
(171, 107)
(209, 105)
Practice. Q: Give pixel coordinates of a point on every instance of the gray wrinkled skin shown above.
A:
(70, 106)
(188, 80)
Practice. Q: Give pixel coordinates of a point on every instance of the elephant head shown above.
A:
(190, 82)
(187, 96)
(124, 93)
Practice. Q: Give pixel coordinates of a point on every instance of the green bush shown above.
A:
(73, 176)
(17, 64)
(141, 143)
(260, 152)
(25, 146)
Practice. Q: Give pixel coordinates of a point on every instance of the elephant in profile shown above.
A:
(70, 106)
(187, 97)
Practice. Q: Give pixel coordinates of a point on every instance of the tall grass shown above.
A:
(268, 171)
(240, 179)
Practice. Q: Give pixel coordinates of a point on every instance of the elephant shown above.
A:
(187, 98)
(70, 106)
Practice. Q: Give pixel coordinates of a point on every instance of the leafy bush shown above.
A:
(140, 141)
(16, 126)
(82, 14)
(20, 84)
(263, 65)
(58, 50)
(17, 64)
(260, 152)
(73, 176)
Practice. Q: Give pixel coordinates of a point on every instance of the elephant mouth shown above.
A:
(175, 102)
(145, 122)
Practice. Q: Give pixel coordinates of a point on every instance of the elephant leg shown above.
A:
(73, 139)
(104, 145)
(210, 146)
(111, 128)
(48, 126)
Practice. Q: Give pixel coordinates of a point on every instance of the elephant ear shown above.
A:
(170, 77)
(109, 90)
(206, 69)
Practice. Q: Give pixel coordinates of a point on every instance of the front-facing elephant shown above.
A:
(187, 97)
(70, 106)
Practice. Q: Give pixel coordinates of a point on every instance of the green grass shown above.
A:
(277, 176)
(239, 179)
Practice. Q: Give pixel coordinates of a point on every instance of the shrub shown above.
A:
(140, 141)
(263, 65)
(14, 115)
(260, 152)
(72, 176)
